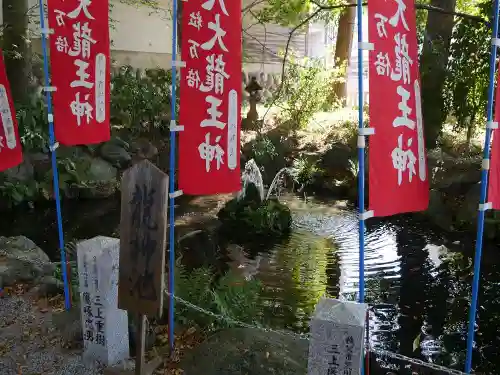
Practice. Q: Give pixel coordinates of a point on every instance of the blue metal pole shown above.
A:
(57, 195)
(484, 188)
(361, 163)
(172, 182)
(361, 158)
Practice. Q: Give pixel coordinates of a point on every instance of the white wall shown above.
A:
(140, 29)
(140, 36)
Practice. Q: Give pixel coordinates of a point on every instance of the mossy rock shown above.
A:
(247, 351)
(249, 218)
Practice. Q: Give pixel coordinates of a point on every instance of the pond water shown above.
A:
(419, 290)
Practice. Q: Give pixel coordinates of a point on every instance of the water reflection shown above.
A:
(419, 291)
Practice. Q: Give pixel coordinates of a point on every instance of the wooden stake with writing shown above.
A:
(143, 228)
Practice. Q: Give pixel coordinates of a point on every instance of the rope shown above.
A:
(369, 349)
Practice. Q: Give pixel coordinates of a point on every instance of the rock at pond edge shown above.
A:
(247, 351)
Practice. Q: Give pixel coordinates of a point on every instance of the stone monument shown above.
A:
(337, 338)
(105, 327)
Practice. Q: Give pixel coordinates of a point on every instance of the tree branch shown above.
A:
(427, 7)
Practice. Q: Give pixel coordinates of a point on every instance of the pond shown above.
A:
(418, 288)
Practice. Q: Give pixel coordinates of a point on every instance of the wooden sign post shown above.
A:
(143, 227)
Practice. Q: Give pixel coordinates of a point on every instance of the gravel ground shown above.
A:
(31, 345)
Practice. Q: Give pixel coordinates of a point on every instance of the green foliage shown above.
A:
(307, 89)
(468, 78)
(230, 296)
(15, 192)
(73, 280)
(284, 12)
(141, 102)
(304, 171)
(33, 123)
(295, 12)
(248, 218)
(263, 150)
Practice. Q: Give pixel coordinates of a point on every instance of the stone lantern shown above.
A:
(254, 90)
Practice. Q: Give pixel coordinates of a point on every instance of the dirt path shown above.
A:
(29, 342)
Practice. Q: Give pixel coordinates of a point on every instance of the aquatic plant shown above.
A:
(229, 295)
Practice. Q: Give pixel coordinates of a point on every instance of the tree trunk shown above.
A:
(179, 23)
(343, 46)
(17, 49)
(433, 67)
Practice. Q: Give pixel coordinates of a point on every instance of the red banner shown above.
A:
(80, 68)
(494, 174)
(210, 97)
(398, 174)
(11, 152)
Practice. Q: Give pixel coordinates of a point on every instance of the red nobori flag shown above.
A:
(80, 69)
(11, 152)
(398, 174)
(494, 177)
(210, 97)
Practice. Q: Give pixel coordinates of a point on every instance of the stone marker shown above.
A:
(105, 327)
(143, 228)
(337, 338)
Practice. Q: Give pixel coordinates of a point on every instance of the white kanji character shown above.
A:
(62, 44)
(219, 34)
(381, 21)
(383, 64)
(193, 49)
(2, 144)
(82, 75)
(193, 78)
(59, 17)
(83, 6)
(403, 60)
(403, 120)
(209, 5)
(81, 109)
(215, 75)
(196, 20)
(403, 160)
(213, 113)
(81, 40)
(209, 152)
(399, 15)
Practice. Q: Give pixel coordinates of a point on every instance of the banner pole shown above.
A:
(172, 180)
(53, 146)
(361, 162)
(361, 157)
(484, 189)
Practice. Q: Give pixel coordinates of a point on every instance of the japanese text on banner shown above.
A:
(210, 97)
(494, 174)
(11, 153)
(397, 156)
(80, 70)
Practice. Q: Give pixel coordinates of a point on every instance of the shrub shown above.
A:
(307, 89)
(141, 102)
(230, 295)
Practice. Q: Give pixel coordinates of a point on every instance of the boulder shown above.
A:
(468, 210)
(23, 172)
(144, 149)
(69, 325)
(438, 212)
(247, 351)
(247, 219)
(22, 261)
(100, 179)
(199, 248)
(115, 154)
